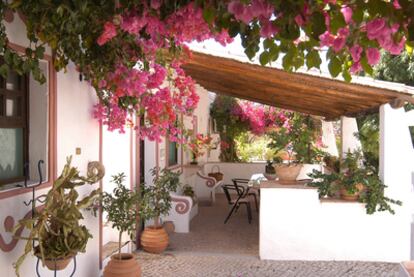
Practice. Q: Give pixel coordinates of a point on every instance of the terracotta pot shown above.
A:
(345, 195)
(59, 264)
(154, 240)
(287, 173)
(127, 266)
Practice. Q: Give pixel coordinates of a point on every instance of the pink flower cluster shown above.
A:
(161, 102)
(260, 9)
(379, 30)
(261, 118)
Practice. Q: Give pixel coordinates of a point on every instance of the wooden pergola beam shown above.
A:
(295, 91)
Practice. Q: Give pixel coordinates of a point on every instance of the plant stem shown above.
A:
(120, 245)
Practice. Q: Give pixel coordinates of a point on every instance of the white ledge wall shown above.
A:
(295, 225)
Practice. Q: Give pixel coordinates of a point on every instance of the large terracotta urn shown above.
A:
(287, 174)
(127, 266)
(154, 239)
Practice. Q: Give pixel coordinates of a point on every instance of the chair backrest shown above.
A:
(226, 190)
(240, 184)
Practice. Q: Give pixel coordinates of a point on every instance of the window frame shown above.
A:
(52, 111)
(179, 150)
(21, 121)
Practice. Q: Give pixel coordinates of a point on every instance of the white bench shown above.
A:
(183, 210)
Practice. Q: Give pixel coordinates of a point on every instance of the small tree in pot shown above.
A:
(156, 201)
(298, 141)
(122, 208)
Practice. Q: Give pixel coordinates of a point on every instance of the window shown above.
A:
(24, 129)
(172, 150)
(13, 128)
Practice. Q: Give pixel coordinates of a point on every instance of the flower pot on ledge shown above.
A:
(287, 174)
(349, 196)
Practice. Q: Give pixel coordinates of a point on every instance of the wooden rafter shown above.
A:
(295, 91)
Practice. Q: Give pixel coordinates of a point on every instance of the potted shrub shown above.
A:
(55, 233)
(354, 182)
(270, 172)
(297, 144)
(122, 212)
(156, 201)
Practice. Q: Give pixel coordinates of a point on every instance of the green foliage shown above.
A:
(156, 199)
(398, 69)
(298, 140)
(250, 147)
(228, 126)
(122, 208)
(368, 134)
(56, 229)
(351, 177)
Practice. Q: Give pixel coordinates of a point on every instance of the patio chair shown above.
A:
(243, 183)
(205, 186)
(240, 192)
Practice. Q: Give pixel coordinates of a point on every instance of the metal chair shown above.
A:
(236, 203)
(243, 183)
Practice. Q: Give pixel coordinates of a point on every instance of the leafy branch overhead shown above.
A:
(128, 49)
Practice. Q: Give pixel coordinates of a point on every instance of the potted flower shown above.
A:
(122, 211)
(295, 143)
(354, 182)
(156, 201)
(55, 233)
(198, 144)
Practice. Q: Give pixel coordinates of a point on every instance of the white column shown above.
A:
(328, 138)
(349, 141)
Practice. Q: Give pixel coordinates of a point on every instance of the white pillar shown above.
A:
(349, 142)
(328, 138)
(397, 164)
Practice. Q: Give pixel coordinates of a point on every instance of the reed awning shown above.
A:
(302, 92)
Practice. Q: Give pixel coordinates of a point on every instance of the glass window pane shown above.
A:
(13, 81)
(11, 153)
(172, 153)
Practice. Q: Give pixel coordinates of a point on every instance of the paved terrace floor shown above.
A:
(215, 249)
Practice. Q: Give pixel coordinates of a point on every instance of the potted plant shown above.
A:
(156, 201)
(270, 172)
(295, 143)
(198, 144)
(122, 211)
(354, 182)
(55, 233)
(189, 191)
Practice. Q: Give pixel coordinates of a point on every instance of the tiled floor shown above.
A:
(215, 249)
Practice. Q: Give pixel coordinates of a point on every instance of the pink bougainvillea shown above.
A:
(146, 83)
(160, 93)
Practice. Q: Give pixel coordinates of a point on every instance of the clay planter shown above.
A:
(287, 174)
(345, 195)
(127, 266)
(58, 264)
(154, 240)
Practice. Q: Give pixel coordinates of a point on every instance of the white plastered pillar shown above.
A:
(397, 165)
(328, 138)
(349, 142)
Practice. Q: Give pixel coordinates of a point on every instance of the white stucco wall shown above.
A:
(295, 225)
(75, 128)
